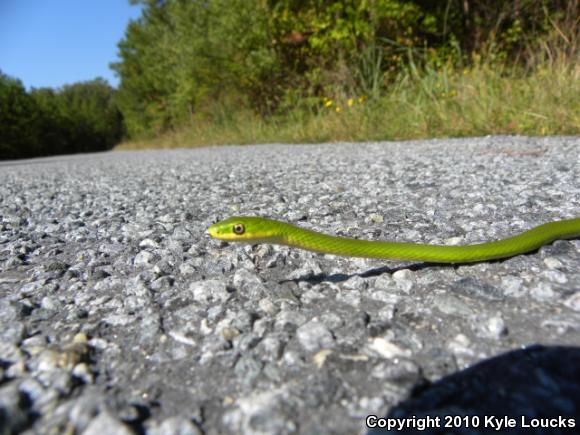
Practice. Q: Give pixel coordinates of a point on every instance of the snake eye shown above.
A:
(239, 229)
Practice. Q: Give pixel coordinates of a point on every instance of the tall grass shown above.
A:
(419, 103)
(540, 96)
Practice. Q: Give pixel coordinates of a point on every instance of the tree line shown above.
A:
(183, 61)
(183, 57)
(81, 117)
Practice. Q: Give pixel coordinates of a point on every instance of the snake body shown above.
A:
(261, 230)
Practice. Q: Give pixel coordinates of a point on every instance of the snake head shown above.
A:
(245, 229)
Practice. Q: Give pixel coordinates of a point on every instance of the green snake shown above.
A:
(261, 230)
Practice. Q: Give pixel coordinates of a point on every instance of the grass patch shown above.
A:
(418, 104)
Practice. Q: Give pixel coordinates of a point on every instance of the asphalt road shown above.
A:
(118, 313)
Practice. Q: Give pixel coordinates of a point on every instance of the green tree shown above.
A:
(77, 118)
(81, 117)
(52, 128)
(88, 116)
(180, 54)
(18, 120)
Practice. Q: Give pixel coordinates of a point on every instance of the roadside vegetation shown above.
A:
(447, 102)
(82, 117)
(198, 73)
(251, 71)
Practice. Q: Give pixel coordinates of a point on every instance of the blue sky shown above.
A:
(56, 42)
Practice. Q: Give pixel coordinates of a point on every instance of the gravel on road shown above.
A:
(120, 315)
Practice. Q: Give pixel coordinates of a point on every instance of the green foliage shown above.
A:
(184, 58)
(77, 118)
(421, 102)
(89, 115)
(180, 54)
(18, 119)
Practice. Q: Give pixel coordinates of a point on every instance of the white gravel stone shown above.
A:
(314, 335)
(387, 349)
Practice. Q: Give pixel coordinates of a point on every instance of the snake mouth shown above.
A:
(216, 231)
(213, 231)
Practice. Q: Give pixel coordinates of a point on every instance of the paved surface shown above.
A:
(118, 314)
